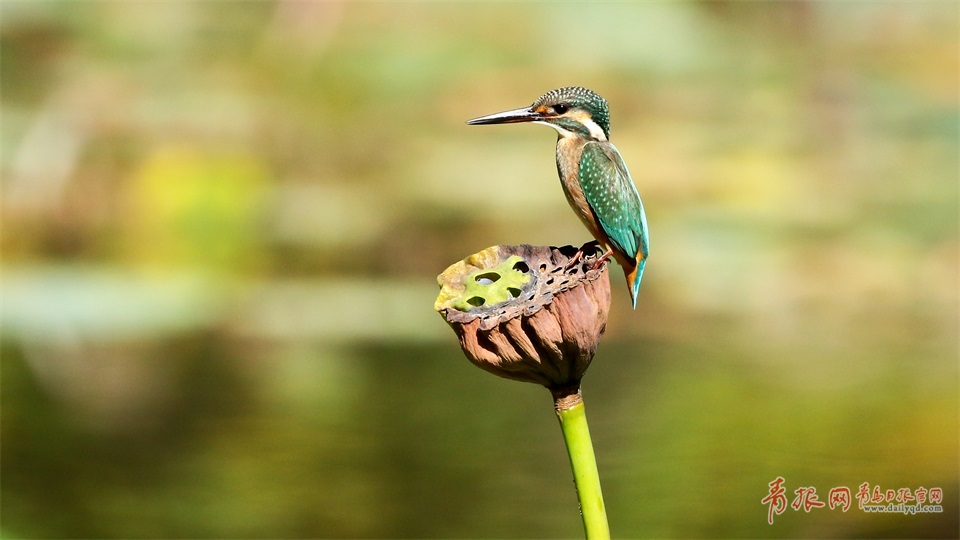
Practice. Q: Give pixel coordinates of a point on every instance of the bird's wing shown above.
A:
(613, 197)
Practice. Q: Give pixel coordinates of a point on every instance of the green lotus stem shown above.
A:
(576, 435)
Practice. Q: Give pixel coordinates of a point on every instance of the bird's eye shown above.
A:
(560, 108)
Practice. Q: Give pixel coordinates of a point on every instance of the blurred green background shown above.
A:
(222, 224)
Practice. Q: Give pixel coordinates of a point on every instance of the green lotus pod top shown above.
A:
(482, 279)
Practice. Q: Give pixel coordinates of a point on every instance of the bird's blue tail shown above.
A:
(633, 280)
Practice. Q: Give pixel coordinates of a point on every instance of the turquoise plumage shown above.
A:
(613, 198)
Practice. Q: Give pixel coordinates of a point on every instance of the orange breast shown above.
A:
(569, 150)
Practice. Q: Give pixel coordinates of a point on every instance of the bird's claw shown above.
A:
(603, 259)
(593, 244)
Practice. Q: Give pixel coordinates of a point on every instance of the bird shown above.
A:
(594, 177)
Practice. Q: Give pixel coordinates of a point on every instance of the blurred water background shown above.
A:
(222, 224)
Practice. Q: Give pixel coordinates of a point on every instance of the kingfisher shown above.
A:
(594, 177)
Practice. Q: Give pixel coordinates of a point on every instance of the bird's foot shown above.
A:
(593, 244)
(603, 259)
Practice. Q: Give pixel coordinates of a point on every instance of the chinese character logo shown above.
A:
(839, 496)
(776, 498)
(807, 498)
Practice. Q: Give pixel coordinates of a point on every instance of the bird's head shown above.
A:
(573, 111)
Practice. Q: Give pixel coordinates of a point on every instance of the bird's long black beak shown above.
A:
(507, 117)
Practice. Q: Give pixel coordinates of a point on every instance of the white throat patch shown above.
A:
(563, 133)
(594, 128)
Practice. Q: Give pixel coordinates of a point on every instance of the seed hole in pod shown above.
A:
(476, 301)
(521, 267)
(487, 278)
(514, 292)
(574, 270)
(543, 267)
(550, 281)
